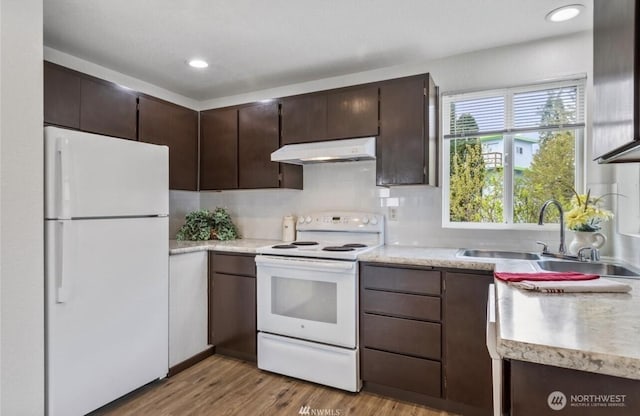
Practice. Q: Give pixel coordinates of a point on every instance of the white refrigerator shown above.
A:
(106, 275)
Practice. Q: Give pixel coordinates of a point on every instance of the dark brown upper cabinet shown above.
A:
(258, 137)
(79, 101)
(235, 149)
(61, 96)
(164, 123)
(327, 115)
(616, 81)
(304, 118)
(108, 109)
(406, 148)
(352, 113)
(219, 149)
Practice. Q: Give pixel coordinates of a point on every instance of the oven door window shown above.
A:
(304, 299)
(314, 300)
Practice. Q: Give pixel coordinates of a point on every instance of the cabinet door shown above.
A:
(572, 392)
(615, 76)
(233, 315)
(400, 147)
(258, 137)
(304, 119)
(163, 123)
(219, 149)
(187, 306)
(61, 96)
(108, 109)
(467, 361)
(352, 113)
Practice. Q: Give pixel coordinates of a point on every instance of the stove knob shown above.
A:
(307, 220)
(301, 220)
(374, 221)
(365, 220)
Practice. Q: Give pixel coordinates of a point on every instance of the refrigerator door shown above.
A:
(106, 290)
(92, 176)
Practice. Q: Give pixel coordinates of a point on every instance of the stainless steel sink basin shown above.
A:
(588, 268)
(497, 254)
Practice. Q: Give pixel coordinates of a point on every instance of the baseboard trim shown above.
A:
(191, 361)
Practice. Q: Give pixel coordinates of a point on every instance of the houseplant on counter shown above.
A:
(206, 225)
(585, 219)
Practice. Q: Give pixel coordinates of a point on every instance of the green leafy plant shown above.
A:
(206, 225)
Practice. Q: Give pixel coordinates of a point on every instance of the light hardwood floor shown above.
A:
(225, 386)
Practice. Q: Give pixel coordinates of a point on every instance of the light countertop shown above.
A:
(595, 332)
(241, 245)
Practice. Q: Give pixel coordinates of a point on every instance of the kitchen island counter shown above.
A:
(241, 245)
(593, 332)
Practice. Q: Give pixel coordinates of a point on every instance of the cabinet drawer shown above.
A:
(244, 265)
(425, 282)
(401, 304)
(403, 336)
(402, 372)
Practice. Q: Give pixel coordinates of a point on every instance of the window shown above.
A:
(507, 151)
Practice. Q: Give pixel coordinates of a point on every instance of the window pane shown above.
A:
(547, 107)
(544, 170)
(476, 179)
(476, 115)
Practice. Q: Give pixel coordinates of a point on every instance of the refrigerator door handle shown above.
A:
(64, 153)
(62, 291)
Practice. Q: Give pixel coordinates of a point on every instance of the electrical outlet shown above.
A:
(393, 214)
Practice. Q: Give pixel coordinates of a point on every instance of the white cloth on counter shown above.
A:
(597, 285)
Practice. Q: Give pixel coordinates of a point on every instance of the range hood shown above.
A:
(329, 151)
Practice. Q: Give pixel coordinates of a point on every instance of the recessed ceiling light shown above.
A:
(197, 63)
(564, 13)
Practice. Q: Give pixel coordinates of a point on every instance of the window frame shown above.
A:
(580, 147)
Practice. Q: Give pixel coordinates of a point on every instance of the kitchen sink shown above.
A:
(498, 254)
(588, 268)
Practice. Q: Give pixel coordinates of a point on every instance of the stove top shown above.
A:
(337, 235)
(326, 250)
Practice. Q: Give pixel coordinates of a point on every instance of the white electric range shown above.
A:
(307, 298)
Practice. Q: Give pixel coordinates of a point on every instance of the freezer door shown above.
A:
(106, 289)
(90, 176)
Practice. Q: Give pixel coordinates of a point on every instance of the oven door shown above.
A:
(310, 299)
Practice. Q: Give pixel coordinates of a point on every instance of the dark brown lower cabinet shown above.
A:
(467, 368)
(401, 371)
(539, 390)
(400, 330)
(422, 336)
(232, 304)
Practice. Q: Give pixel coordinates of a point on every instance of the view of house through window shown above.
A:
(507, 151)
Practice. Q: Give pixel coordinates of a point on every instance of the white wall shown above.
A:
(21, 209)
(352, 185)
(626, 237)
(180, 204)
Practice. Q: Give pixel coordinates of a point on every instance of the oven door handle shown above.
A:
(305, 263)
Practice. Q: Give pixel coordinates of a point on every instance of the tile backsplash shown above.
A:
(351, 186)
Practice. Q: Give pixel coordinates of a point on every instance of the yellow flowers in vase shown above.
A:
(585, 213)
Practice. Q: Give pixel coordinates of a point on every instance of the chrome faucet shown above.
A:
(561, 249)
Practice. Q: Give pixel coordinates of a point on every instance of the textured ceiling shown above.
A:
(257, 44)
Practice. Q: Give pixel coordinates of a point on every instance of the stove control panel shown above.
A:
(356, 221)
